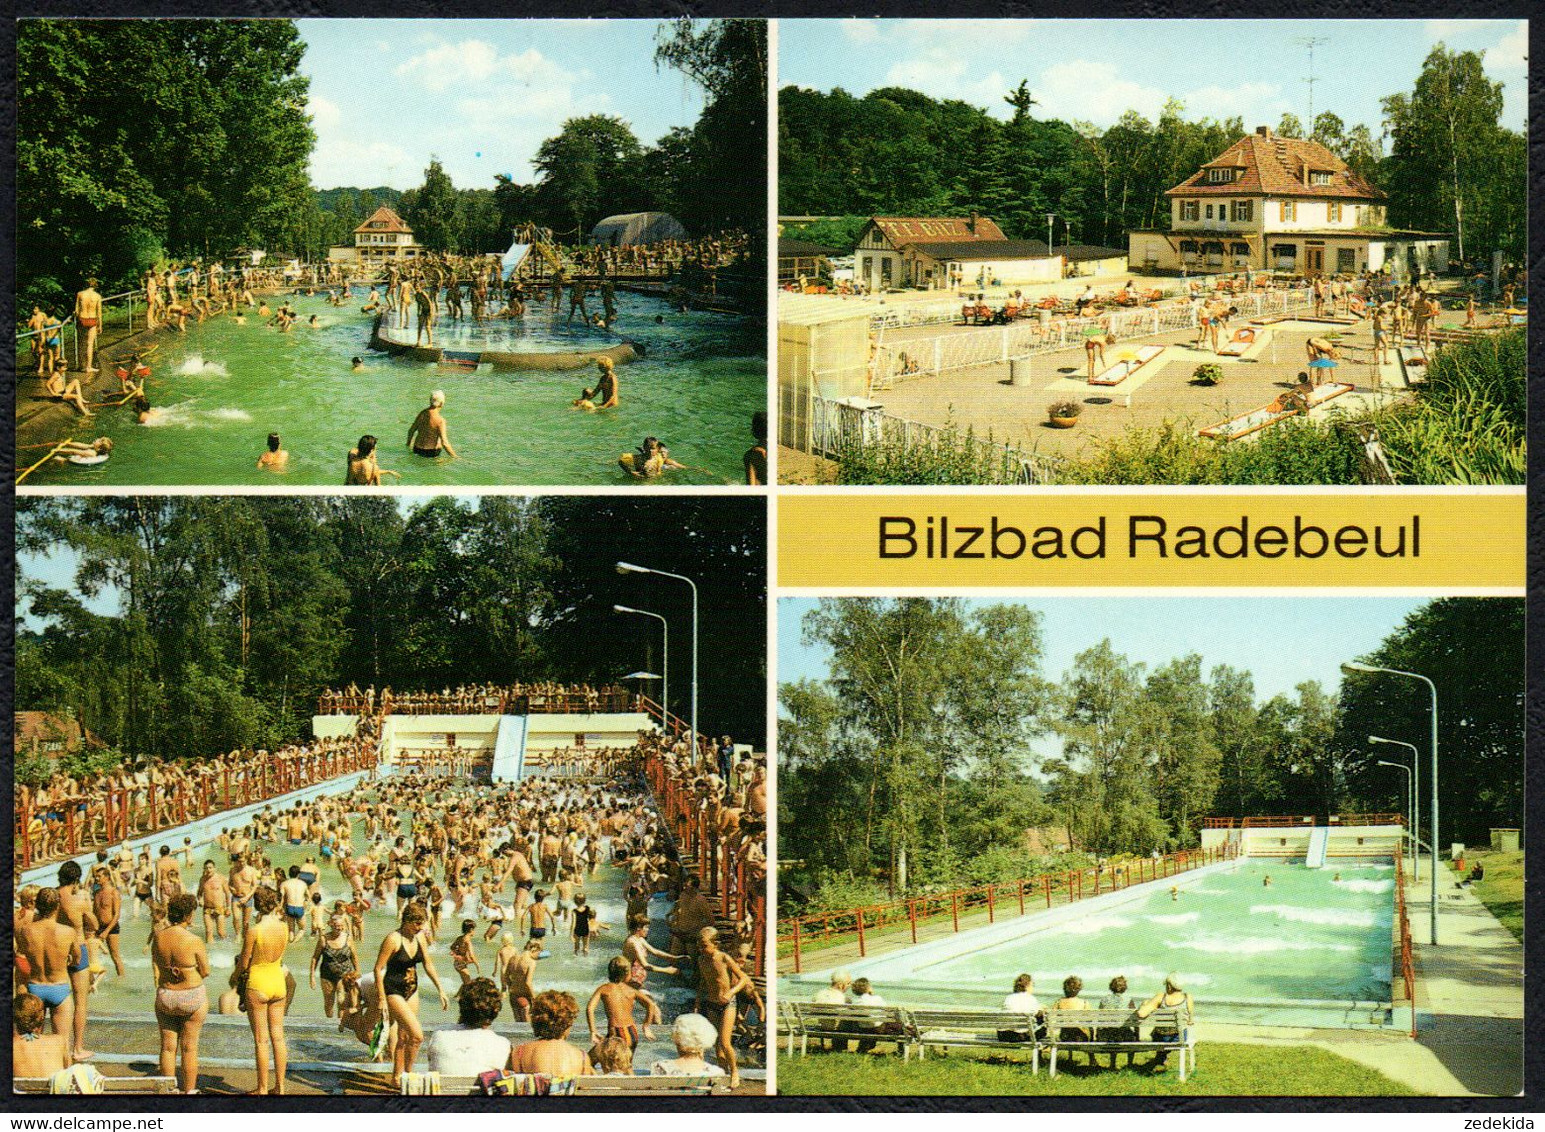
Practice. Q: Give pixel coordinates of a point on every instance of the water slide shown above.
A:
(1126, 365)
(1290, 404)
(514, 258)
(1319, 841)
(509, 749)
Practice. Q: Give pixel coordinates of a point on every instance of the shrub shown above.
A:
(1064, 409)
(925, 457)
(1208, 373)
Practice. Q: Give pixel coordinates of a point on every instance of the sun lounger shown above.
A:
(1240, 341)
(1126, 367)
(1269, 414)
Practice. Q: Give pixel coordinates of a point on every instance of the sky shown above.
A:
(481, 95)
(1095, 70)
(1308, 639)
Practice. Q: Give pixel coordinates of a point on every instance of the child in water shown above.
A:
(651, 459)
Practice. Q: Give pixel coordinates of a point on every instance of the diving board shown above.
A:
(509, 762)
(1127, 366)
(1290, 404)
(1319, 842)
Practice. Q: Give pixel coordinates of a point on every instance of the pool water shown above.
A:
(540, 329)
(562, 970)
(1307, 938)
(219, 390)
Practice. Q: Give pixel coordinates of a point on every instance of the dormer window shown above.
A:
(1222, 176)
(1319, 177)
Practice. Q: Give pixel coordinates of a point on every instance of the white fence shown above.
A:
(836, 430)
(917, 357)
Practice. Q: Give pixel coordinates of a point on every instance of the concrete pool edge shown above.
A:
(556, 360)
(901, 966)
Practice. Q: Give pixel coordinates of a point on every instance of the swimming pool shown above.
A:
(219, 390)
(1309, 949)
(562, 970)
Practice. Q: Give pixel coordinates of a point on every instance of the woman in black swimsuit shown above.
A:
(333, 960)
(397, 984)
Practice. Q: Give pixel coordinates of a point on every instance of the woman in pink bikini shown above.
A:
(182, 1000)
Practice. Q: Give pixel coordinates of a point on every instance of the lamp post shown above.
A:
(630, 568)
(1050, 216)
(665, 659)
(1432, 689)
(1416, 804)
(1410, 805)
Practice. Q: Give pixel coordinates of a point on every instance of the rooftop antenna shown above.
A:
(1311, 42)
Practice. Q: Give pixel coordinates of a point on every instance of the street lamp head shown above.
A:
(623, 609)
(1386, 762)
(629, 568)
(1379, 739)
(1351, 666)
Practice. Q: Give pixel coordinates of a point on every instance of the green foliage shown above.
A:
(841, 233)
(1208, 373)
(1473, 650)
(204, 152)
(837, 892)
(1065, 409)
(32, 769)
(928, 456)
(1296, 451)
(87, 762)
(1467, 422)
(1452, 166)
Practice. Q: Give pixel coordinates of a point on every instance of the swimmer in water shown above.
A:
(74, 450)
(143, 413)
(604, 395)
(362, 466)
(276, 459)
(651, 459)
(357, 364)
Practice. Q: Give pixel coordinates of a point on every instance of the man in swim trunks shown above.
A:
(214, 894)
(51, 951)
(429, 436)
(107, 907)
(242, 883)
(425, 299)
(88, 316)
(293, 892)
(538, 915)
(636, 949)
(619, 997)
(719, 980)
(75, 912)
(168, 875)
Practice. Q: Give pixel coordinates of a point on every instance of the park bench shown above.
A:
(973, 1029)
(846, 1023)
(788, 1024)
(110, 1085)
(601, 1084)
(1100, 1024)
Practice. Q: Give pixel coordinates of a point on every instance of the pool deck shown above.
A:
(1470, 1005)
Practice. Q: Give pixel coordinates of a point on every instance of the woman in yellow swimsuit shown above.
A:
(262, 955)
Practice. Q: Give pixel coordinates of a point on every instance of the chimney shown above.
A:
(972, 223)
(1263, 131)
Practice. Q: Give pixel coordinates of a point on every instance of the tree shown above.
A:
(1290, 126)
(1446, 145)
(435, 218)
(1020, 99)
(1473, 650)
(589, 170)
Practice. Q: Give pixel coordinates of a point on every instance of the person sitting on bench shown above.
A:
(1023, 1001)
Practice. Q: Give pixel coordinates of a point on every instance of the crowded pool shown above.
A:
(219, 390)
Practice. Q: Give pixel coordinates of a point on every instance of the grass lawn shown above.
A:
(1503, 889)
(1223, 1069)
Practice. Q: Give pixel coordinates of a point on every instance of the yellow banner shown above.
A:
(1434, 541)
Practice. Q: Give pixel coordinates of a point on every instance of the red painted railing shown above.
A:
(1280, 821)
(795, 933)
(1407, 969)
(722, 865)
(111, 817)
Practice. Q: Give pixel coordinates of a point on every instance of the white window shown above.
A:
(1319, 177)
(1220, 176)
(1333, 212)
(1289, 210)
(1244, 210)
(1190, 209)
